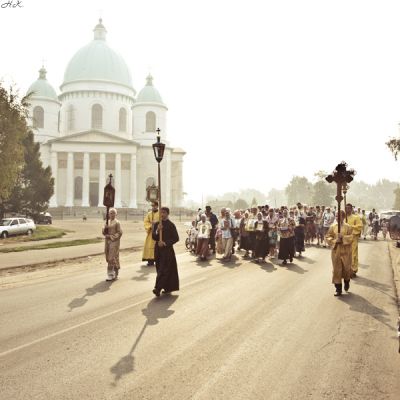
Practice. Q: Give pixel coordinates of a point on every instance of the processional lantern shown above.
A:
(108, 198)
(342, 177)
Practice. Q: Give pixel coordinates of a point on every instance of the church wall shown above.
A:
(82, 103)
(139, 116)
(50, 121)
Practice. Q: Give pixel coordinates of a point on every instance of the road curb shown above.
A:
(394, 255)
(52, 263)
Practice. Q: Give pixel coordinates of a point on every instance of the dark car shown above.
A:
(45, 218)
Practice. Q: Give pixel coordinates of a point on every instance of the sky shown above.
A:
(257, 91)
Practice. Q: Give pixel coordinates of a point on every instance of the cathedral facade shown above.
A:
(98, 125)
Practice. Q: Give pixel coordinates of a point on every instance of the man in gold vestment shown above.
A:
(151, 218)
(341, 253)
(355, 222)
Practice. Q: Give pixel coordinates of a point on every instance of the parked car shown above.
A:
(44, 218)
(16, 226)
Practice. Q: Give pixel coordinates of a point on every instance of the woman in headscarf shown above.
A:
(272, 220)
(112, 234)
(286, 227)
(299, 232)
(261, 238)
(244, 235)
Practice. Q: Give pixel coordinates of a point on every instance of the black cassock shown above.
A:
(167, 269)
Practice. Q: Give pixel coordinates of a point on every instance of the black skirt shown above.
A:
(286, 248)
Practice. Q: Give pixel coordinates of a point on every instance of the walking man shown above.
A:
(165, 237)
(355, 222)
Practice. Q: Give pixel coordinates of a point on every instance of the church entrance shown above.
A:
(94, 194)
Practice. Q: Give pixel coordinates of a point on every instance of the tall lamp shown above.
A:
(341, 176)
(158, 149)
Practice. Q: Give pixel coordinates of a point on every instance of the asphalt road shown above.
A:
(234, 331)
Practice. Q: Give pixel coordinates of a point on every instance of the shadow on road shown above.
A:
(359, 304)
(156, 309)
(268, 267)
(100, 287)
(144, 273)
(380, 287)
(306, 260)
(295, 268)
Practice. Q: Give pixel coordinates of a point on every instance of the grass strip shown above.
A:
(77, 242)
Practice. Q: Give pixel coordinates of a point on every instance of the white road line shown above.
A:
(71, 328)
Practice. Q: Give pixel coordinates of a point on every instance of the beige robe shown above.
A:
(341, 252)
(149, 244)
(356, 224)
(111, 248)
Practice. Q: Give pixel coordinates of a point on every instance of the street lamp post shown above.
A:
(158, 149)
(341, 176)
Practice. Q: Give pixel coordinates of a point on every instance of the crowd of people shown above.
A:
(258, 233)
(275, 232)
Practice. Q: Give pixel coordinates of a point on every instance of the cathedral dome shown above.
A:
(42, 88)
(98, 62)
(149, 94)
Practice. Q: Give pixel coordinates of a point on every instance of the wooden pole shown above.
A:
(339, 200)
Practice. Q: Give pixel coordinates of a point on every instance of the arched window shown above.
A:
(70, 118)
(78, 188)
(122, 120)
(97, 116)
(150, 122)
(38, 117)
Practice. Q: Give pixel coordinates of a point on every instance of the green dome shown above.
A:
(97, 61)
(42, 88)
(149, 94)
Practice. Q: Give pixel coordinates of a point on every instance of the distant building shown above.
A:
(97, 125)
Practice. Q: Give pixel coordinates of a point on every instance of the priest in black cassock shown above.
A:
(167, 269)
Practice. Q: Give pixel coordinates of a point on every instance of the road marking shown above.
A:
(71, 328)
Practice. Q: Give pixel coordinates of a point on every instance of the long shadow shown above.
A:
(384, 288)
(203, 264)
(359, 304)
(306, 260)
(100, 287)
(295, 268)
(268, 267)
(363, 266)
(232, 263)
(156, 309)
(144, 273)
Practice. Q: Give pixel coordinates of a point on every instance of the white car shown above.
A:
(16, 226)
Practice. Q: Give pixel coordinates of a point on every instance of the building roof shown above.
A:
(97, 61)
(42, 88)
(149, 94)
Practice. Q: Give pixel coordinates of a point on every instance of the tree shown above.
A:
(241, 204)
(299, 190)
(34, 185)
(323, 193)
(13, 129)
(277, 198)
(396, 204)
(394, 146)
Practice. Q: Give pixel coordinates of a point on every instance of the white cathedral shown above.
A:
(97, 126)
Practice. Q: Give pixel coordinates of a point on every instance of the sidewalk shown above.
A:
(132, 239)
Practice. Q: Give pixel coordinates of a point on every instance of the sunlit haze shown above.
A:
(257, 91)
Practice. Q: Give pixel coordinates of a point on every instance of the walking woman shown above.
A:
(299, 232)
(261, 247)
(112, 234)
(286, 227)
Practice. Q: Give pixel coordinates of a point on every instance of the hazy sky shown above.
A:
(258, 91)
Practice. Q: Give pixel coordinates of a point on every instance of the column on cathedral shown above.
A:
(133, 183)
(54, 172)
(85, 183)
(102, 177)
(69, 201)
(117, 180)
(167, 201)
